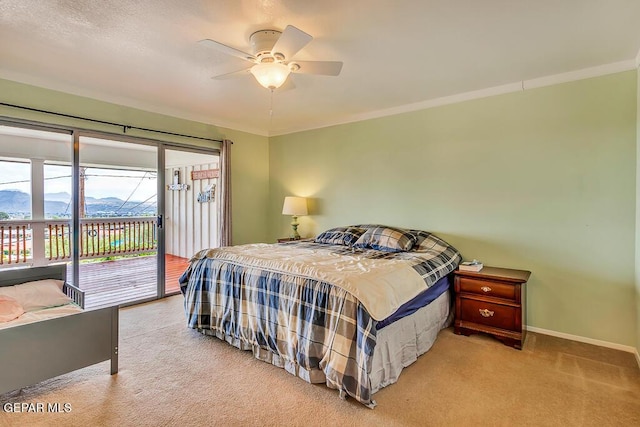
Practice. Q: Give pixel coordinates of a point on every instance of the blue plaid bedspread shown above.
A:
(316, 330)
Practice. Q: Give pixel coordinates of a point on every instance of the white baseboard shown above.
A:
(586, 340)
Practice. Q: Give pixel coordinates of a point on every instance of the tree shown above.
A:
(4, 215)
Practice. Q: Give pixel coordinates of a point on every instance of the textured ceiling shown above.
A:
(145, 54)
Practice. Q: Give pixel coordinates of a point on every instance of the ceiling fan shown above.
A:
(272, 56)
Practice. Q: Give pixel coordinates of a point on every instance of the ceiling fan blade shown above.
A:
(239, 73)
(326, 68)
(291, 41)
(227, 49)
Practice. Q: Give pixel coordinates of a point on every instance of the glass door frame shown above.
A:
(162, 148)
(160, 264)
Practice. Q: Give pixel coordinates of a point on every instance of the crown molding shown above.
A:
(127, 102)
(551, 80)
(407, 108)
(586, 73)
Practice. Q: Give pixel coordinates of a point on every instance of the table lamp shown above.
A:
(294, 206)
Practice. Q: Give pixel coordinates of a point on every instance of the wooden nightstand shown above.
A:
(286, 239)
(491, 301)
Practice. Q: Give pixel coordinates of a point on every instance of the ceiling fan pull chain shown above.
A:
(271, 108)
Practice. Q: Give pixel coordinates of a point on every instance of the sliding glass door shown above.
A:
(118, 211)
(138, 227)
(190, 221)
(125, 214)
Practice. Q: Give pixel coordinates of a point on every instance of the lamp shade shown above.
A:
(294, 206)
(270, 75)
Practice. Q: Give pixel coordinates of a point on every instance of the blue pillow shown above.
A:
(340, 236)
(387, 239)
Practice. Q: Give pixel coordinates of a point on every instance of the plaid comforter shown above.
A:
(314, 329)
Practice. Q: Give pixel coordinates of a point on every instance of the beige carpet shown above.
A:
(172, 376)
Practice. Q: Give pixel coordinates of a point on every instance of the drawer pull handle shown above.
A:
(485, 312)
(486, 289)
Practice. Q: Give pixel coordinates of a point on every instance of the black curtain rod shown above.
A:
(124, 127)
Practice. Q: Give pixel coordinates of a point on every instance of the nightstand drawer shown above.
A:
(481, 287)
(490, 314)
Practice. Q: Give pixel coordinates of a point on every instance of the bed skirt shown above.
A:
(397, 346)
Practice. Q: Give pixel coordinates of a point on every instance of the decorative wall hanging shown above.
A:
(205, 174)
(176, 186)
(208, 195)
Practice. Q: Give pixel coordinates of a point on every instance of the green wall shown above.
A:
(542, 179)
(250, 168)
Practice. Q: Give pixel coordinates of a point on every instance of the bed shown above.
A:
(44, 343)
(350, 308)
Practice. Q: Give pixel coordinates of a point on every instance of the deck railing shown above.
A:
(13, 247)
(99, 237)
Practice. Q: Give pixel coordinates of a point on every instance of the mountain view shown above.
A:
(17, 204)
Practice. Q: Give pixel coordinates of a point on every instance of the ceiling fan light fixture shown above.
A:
(270, 75)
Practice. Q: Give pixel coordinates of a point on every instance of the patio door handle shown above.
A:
(160, 225)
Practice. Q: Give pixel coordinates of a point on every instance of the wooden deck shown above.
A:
(127, 280)
(175, 266)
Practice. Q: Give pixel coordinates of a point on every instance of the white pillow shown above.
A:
(37, 295)
(9, 309)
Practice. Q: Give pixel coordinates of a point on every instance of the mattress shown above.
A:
(44, 314)
(418, 302)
